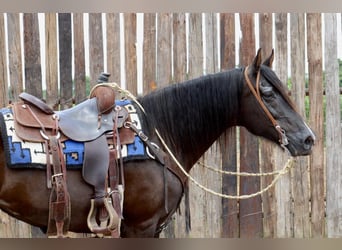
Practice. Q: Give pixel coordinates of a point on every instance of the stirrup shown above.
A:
(108, 224)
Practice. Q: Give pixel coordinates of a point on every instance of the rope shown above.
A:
(289, 164)
(285, 170)
(238, 173)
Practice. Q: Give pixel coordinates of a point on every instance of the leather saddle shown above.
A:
(94, 122)
(82, 122)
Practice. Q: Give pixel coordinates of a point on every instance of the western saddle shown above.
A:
(96, 122)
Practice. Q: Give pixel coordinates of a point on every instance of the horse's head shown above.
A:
(267, 111)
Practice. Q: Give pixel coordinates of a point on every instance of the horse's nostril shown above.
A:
(309, 141)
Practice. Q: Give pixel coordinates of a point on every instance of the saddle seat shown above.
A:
(83, 122)
(79, 123)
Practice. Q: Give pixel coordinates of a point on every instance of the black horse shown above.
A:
(189, 116)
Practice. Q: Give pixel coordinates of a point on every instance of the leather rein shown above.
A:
(256, 92)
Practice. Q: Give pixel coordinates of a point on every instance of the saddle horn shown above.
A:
(104, 94)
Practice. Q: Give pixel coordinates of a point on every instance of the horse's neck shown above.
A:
(191, 116)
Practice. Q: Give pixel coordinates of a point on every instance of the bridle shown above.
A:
(256, 92)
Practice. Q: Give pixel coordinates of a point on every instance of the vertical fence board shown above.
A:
(333, 130)
(284, 220)
(33, 71)
(211, 59)
(149, 55)
(195, 45)
(213, 155)
(51, 60)
(3, 65)
(197, 196)
(230, 211)
(113, 46)
(164, 52)
(266, 147)
(130, 52)
(4, 218)
(300, 170)
(65, 75)
(95, 47)
(14, 55)
(179, 47)
(314, 34)
(250, 209)
(163, 70)
(79, 58)
(179, 75)
(164, 74)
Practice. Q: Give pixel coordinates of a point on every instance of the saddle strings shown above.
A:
(289, 164)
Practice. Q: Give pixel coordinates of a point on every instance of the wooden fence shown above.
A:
(178, 46)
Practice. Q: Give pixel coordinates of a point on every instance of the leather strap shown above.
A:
(59, 204)
(157, 152)
(256, 92)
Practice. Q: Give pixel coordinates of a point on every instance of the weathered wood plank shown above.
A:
(250, 209)
(333, 130)
(179, 64)
(14, 56)
(266, 147)
(3, 65)
(211, 49)
(96, 62)
(284, 220)
(33, 71)
(213, 155)
(195, 45)
(227, 36)
(113, 46)
(300, 173)
(197, 196)
(230, 210)
(79, 58)
(4, 218)
(51, 60)
(130, 24)
(65, 75)
(179, 47)
(314, 34)
(163, 70)
(13, 228)
(149, 53)
(164, 52)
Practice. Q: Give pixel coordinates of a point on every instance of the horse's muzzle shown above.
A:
(303, 146)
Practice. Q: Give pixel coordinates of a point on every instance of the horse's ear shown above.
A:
(255, 66)
(268, 62)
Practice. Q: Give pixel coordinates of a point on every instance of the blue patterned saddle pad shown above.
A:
(23, 154)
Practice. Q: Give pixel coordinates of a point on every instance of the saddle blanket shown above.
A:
(23, 154)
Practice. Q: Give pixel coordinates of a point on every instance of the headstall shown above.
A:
(256, 92)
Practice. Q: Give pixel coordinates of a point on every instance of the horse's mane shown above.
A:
(183, 112)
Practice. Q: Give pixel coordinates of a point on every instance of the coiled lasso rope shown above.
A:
(289, 164)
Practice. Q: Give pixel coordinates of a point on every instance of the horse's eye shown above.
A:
(267, 93)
